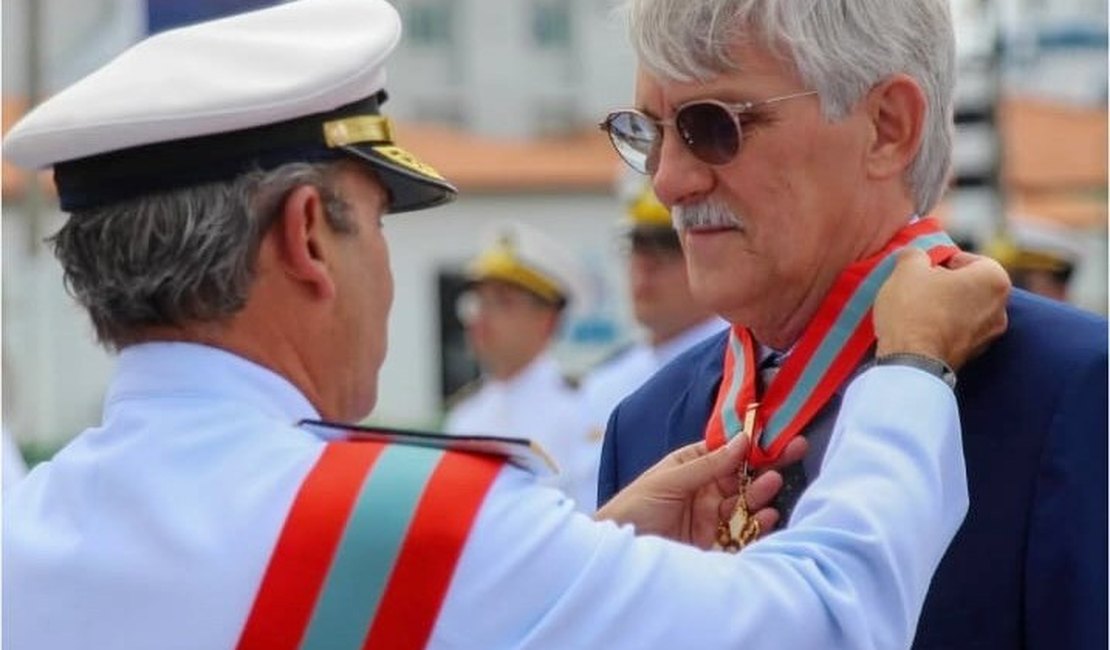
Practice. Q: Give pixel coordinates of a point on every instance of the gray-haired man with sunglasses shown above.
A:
(799, 146)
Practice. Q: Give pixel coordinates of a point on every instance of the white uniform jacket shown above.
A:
(539, 404)
(154, 529)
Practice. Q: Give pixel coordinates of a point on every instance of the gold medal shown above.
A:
(742, 528)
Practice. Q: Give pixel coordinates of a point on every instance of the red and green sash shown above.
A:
(368, 549)
(830, 349)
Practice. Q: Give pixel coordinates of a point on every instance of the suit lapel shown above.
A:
(686, 421)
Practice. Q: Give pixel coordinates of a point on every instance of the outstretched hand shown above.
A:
(685, 495)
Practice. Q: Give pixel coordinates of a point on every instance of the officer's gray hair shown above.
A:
(840, 48)
(181, 256)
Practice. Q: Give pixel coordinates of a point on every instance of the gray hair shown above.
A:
(182, 256)
(840, 48)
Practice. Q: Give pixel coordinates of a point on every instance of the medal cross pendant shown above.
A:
(742, 528)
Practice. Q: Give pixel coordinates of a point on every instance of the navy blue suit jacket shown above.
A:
(1028, 568)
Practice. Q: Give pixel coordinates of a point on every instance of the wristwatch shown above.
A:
(930, 365)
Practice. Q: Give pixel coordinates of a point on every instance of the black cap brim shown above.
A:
(412, 185)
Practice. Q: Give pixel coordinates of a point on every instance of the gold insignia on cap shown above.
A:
(353, 130)
(1015, 257)
(502, 263)
(407, 160)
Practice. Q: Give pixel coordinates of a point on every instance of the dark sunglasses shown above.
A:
(710, 129)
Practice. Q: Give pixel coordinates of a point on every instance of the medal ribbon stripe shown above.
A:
(830, 349)
(304, 550)
(741, 386)
(833, 352)
(427, 561)
(397, 517)
(371, 543)
(724, 422)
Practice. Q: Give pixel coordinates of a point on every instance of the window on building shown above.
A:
(551, 23)
(430, 23)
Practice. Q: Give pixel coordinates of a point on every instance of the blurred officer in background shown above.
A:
(662, 304)
(520, 286)
(1037, 266)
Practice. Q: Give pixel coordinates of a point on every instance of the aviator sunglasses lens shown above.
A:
(634, 137)
(710, 131)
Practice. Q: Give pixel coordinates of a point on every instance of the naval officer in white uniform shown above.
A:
(662, 305)
(226, 184)
(521, 284)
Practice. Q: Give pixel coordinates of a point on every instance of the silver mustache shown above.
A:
(707, 214)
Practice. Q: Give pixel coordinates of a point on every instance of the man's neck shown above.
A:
(780, 329)
(511, 370)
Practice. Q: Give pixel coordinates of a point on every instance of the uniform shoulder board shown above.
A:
(524, 453)
(463, 393)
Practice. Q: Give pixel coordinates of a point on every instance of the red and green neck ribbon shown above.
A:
(828, 352)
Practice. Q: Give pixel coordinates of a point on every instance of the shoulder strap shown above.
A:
(369, 547)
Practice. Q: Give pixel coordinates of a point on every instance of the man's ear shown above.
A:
(896, 108)
(302, 235)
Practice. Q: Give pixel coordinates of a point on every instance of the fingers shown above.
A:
(726, 507)
(987, 287)
(768, 518)
(911, 258)
(763, 489)
(795, 451)
(760, 494)
(960, 260)
(944, 313)
(678, 457)
(692, 467)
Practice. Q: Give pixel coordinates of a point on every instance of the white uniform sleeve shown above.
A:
(851, 572)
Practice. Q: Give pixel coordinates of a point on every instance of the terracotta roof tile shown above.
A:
(582, 161)
(1055, 161)
(15, 179)
(1052, 145)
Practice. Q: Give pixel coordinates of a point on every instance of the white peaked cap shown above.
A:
(300, 81)
(526, 257)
